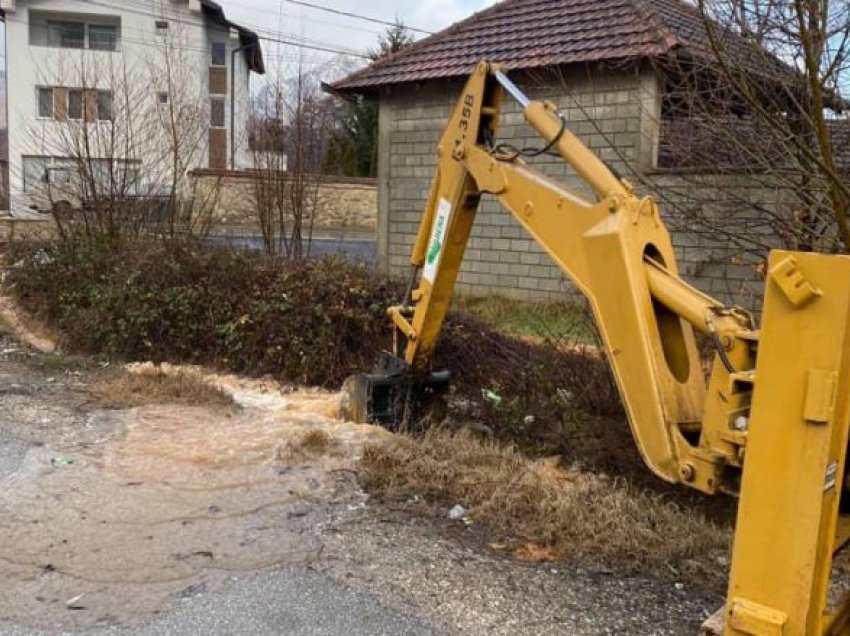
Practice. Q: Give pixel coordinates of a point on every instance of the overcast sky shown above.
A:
(289, 21)
(327, 30)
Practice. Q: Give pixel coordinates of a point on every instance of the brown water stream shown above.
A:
(168, 505)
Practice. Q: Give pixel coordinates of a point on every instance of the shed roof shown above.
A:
(526, 34)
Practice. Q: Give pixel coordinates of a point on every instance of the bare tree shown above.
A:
(183, 116)
(761, 100)
(93, 146)
(289, 143)
(120, 141)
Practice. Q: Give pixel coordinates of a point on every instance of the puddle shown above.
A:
(176, 500)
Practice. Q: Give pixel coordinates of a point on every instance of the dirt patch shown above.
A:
(539, 505)
(25, 328)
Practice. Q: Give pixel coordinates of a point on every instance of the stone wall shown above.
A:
(27, 229)
(4, 185)
(614, 112)
(342, 202)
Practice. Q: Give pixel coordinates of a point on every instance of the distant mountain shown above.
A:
(282, 83)
(340, 67)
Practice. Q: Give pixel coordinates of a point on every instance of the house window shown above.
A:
(34, 170)
(103, 37)
(219, 54)
(161, 28)
(67, 35)
(74, 30)
(75, 103)
(104, 105)
(217, 113)
(45, 103)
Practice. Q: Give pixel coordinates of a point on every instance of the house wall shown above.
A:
(720, 230)
(614, 112)
(4, 139)
(137, 63)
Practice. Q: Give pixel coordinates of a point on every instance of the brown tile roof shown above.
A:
(535, 33)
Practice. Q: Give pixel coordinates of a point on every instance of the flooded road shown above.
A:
(246, 518)
(165, 502)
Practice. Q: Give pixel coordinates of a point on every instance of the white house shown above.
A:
(146, 88)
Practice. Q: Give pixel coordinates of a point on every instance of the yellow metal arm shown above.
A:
(780, 399)
(619, 255)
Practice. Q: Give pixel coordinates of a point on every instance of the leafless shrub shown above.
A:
(289, 143)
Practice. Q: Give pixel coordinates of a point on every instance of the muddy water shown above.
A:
(177, 499)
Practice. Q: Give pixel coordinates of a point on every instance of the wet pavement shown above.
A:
(167, 519)
(199, 520)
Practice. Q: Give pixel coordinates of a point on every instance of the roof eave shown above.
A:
(350, 85)
(248, 39)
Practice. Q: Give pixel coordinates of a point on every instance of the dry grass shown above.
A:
(312, 443)
(578, 515)
(126, 389)
(17, 322)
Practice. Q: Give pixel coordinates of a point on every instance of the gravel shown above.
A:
(289, 600)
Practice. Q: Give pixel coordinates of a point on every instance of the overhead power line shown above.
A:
(356, 16)
(270, 38)
(280, 15)
(324, 49)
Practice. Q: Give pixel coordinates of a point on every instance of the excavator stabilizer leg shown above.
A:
(789, 519)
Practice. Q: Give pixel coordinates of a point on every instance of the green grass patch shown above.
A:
(553, 320)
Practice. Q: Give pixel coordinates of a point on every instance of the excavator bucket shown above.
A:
(394, 398)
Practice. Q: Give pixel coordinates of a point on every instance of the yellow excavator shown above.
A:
(769, 424)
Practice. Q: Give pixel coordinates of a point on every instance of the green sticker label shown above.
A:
(437, 245)
(438, 240)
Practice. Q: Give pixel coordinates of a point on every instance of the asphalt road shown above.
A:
(11, 453)
(290, 600)
(354, 247)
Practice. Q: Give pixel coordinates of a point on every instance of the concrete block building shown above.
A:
(598, 61)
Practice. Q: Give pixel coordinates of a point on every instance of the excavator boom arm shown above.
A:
(615, 250)
(779, 399)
